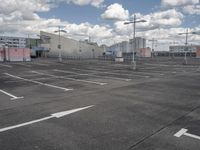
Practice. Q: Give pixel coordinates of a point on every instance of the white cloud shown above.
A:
(167, 18)
(21, 18)
(177, 3)
(162, 19)
(192, 9)
(95, 3)
(115, 12)
(26, 10)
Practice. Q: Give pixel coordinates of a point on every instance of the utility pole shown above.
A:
(174, 44)
(186, 44)
(59, 42)
(134, 39)
(152, 46)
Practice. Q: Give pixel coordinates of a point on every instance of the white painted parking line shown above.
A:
(53, 63)
(41, 64)
(73, 79)
(24, 65)
(115, 78)
(64, 71)
(37, 82)
(56, 115)
(111, 73)
(13, 97)
(8, 66)
(184, 132)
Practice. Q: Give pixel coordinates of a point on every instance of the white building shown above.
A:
(69, 48)
(140, 43)
(183, 49)
(17, 42)
(127, 47)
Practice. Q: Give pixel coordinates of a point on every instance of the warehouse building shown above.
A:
(126, 48)
(13, 49)
(179, 50)
(69, 48)
(18, 42)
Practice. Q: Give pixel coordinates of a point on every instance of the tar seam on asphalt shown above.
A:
(147, 137)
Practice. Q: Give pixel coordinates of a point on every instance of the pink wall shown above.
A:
(16, 54)
(144, 52)
(2, 54)
(19, 54)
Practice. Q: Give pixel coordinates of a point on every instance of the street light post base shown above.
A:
(134, 65)
(185, 62)
(60, 59)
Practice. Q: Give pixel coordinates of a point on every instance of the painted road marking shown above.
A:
(67, 78)
(64, 71)
(56, 115)
(37, 82)
(13, 97)
(115, 78)
(184, 132)
(41, 64)
(6, 65)
(112, 73)
(24, 65)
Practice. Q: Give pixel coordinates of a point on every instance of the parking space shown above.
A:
(99, 105)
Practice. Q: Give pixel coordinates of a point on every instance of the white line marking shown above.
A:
(64, 71)
(56, 115)
(41, 64)
(13, 97)
(37, 82)
(6, 65)
(184, 132)
(67, 78)
(112, 73)
(115, 78)
(25, 65)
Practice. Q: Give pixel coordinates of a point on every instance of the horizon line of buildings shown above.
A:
(51, 45)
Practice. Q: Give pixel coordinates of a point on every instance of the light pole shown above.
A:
(59, 42)
(152, 47)
(134, 40)
(186, 44)
(173, 43)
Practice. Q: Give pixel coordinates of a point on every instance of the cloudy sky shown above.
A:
(103, 20)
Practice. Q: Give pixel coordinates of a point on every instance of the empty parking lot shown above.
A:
(99, 105)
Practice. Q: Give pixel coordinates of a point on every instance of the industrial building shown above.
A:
(14, 49)
(138, 43)
(126, 48)
(18, 42)
(69, 48)
(180, 50)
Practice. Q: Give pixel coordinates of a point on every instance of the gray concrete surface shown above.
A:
(133, 110)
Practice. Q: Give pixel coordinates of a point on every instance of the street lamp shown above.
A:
(134, 47)
(59, 42)
(152, 46)
(186, 42)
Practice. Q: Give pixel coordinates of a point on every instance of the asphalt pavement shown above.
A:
(100, 105)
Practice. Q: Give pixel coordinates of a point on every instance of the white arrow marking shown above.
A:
(13, 97)
(184, 132)
(37, 82)
(56, 115)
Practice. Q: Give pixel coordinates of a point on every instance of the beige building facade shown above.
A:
(69, 48)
